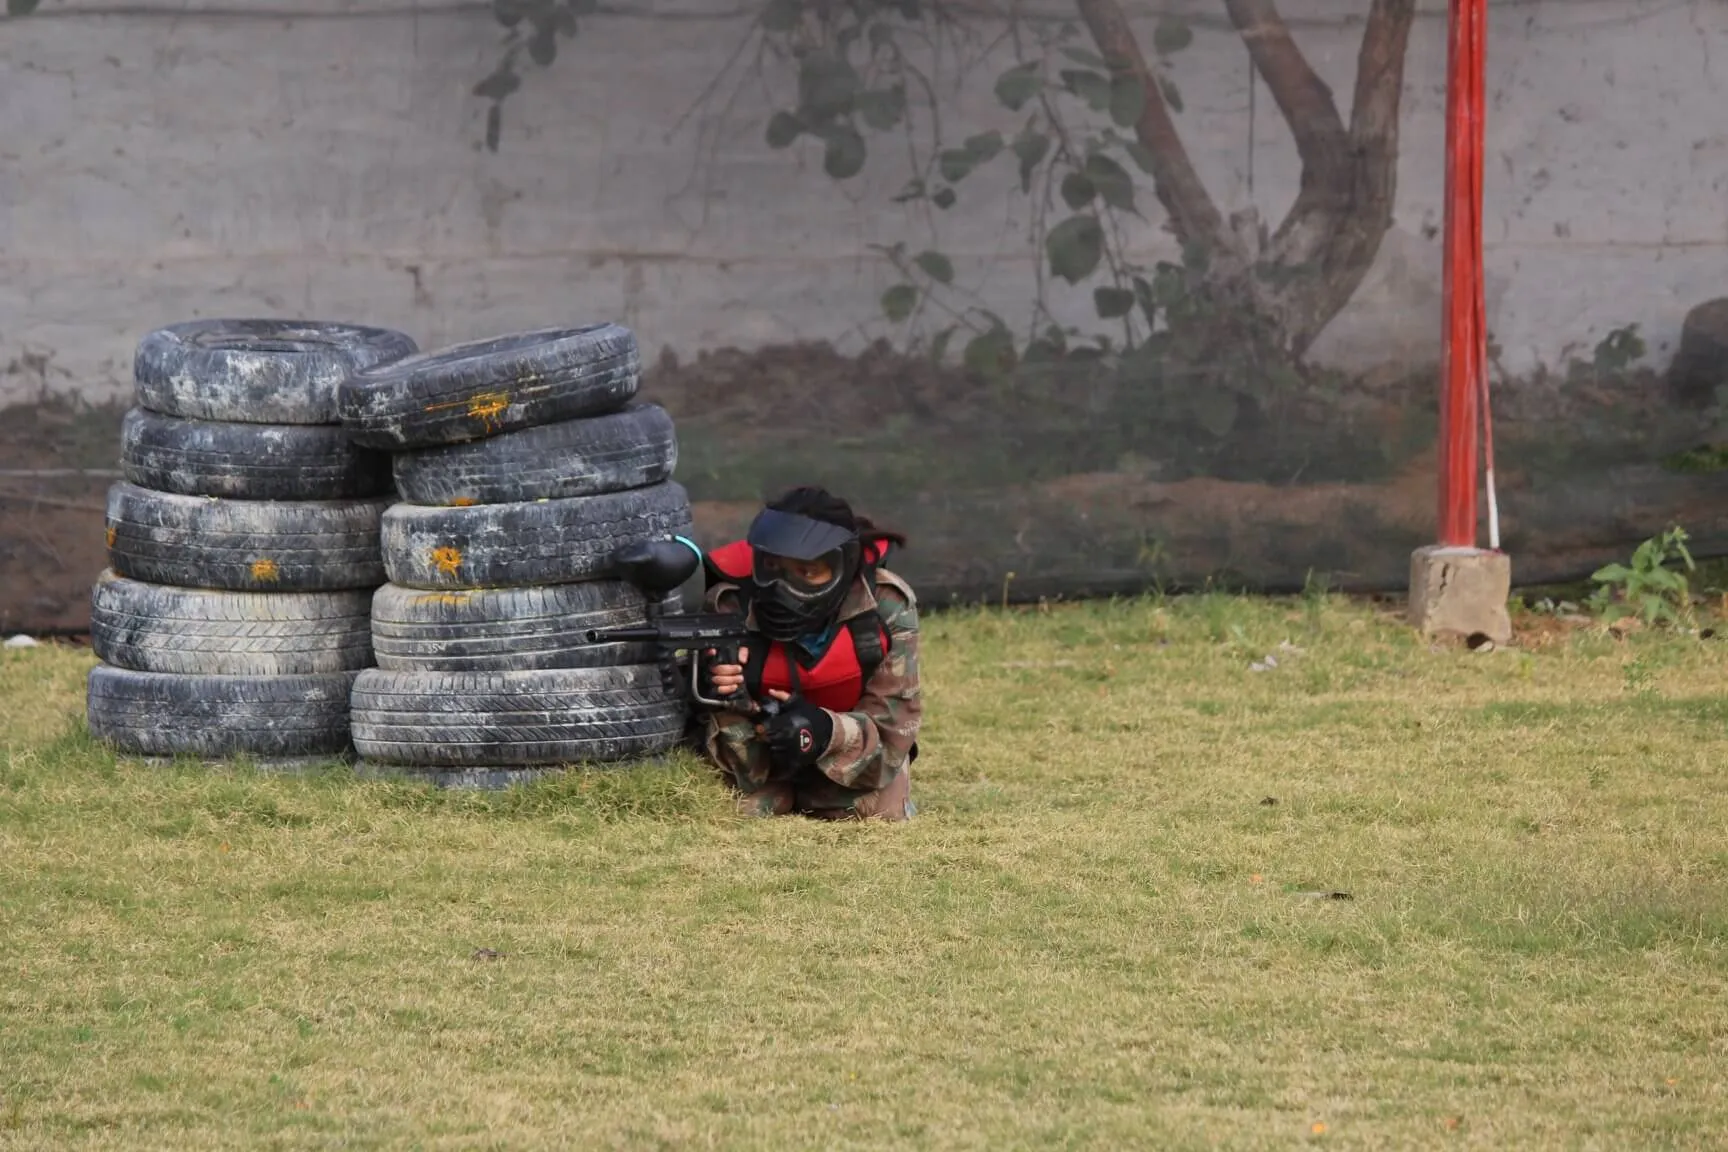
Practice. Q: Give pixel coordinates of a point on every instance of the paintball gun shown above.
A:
(657, 567)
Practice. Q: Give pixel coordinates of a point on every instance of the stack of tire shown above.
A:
(521, 465)
(243, 545)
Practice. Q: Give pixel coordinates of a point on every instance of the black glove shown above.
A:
(798, 733)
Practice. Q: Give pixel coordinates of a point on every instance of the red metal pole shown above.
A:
(1464, 352)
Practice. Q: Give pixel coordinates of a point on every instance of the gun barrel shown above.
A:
(691, 628)
(623, 635)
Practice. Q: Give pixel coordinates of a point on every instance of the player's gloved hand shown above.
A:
(798, 732)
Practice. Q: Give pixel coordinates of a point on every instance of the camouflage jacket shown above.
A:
(871, 743)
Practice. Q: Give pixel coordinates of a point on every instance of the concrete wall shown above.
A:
(163, 159)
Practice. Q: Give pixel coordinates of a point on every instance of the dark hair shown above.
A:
(821, 504)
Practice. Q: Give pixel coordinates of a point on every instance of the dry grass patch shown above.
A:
(1118, 920)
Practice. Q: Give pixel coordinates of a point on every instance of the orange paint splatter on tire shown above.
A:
(265, 569)
(487, 406)
(447, 559)
(453, 599)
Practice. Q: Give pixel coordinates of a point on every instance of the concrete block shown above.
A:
(1460, 592)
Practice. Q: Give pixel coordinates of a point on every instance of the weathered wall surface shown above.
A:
(321, 157)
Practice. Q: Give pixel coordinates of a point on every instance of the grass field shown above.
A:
(1110, 925)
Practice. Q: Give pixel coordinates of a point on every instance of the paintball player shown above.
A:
(839, 653)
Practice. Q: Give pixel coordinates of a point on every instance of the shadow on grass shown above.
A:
(674, 787)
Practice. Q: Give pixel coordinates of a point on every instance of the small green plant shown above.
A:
(1637, 676)
(1648, 588)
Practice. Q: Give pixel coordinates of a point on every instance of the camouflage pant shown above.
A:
(812, 794)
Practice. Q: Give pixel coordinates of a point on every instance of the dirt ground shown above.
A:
(56, 463)
(1007, 494)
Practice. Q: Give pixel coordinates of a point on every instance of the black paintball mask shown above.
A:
(788, 603)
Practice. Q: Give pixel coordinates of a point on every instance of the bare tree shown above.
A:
(1349, 175)
(1237, 287)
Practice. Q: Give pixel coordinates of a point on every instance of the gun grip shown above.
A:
(725, 652)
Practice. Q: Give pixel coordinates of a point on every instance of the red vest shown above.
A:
(836, 681)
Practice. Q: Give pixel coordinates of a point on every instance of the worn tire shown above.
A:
(244, 545)
(257, 371)
(505, 629)
(248, 461)
(199, 631)
(505, 719)
(484, 387)
(1700, 365)
(589, 456)
(532, 543)
(163, 714)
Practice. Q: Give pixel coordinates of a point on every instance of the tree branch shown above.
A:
(1374, 114)
(1301, 95)
(1349, 177)
(1370, 188)
(1193, 216)
(1308, 109)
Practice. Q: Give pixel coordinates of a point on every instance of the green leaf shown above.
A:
(782, 15)
(985, 146)
(1143, 296)
(543, 46)
(939, 343)
(944, 198)
(1127, 100)
(898, 302)
(1077, 191)
(1141, 155)
(1215, 410)
(936, 266)
(1171, 35)
(1074, 247)
(882, 107)
(494, 127)
(1031, 148)
(955, 163)
(1112, 302)
(498, 85)
(1048, 348)
(783, 128)
(844, 157)
(827, 85)
(1085, 56)
(1169, 287)
(1172, 97)
(1042, 351)
(1112, 181)
(990, 353)
(1089, 86)
(1018, 85)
